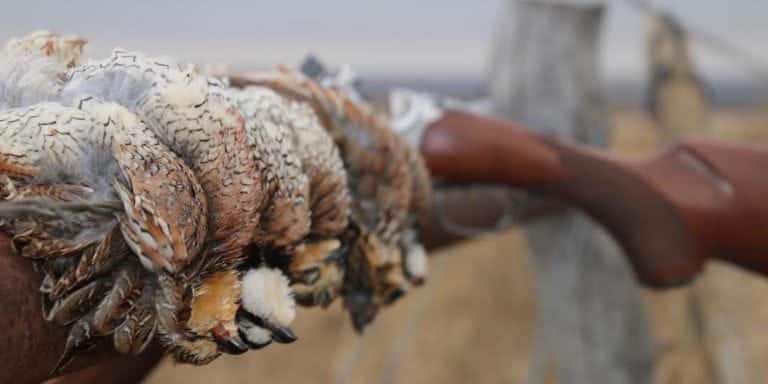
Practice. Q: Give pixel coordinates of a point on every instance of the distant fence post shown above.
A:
(592, 325)
(717, 325)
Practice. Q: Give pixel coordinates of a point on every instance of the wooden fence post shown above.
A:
(716, 326)
(592, 325)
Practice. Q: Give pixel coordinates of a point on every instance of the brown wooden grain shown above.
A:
(671, 212)
(32, 346)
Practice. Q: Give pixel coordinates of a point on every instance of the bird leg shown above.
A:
(214, 307)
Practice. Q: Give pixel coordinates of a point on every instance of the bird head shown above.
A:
(374, 278)
(317, 272)
(385, 260)
(210, 328)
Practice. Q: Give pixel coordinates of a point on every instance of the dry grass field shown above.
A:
(474, 320)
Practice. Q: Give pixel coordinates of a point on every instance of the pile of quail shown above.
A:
(159, 203)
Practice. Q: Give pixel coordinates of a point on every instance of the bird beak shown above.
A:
(324, 298)
(283, 335)
(394, 295)
(362, 309)
(230, 344)
(360, 320)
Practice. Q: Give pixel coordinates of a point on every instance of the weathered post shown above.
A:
(592, 324)
(678, 104)
(709, 327)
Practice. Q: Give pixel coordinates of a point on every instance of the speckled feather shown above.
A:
(329, 190)
(163, 215)
(195, 120)
(309, 203)
(374, 157)
(380, 169)
(286, 215)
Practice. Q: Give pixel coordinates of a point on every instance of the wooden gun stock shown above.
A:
(34, 345)
(670, 212)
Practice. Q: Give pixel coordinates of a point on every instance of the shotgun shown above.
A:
(671, 212)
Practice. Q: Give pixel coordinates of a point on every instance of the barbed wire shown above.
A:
(756, 65)
(642, 5)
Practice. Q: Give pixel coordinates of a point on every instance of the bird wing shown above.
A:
(329, 189)
(164, 218)
(195, 118)
(374, 157)
(286, 218)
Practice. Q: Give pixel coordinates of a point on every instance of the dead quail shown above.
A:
(344, 80)
(216, 291)
(197, 118)
(196, 308)
(88, 186)
(381, 186)
(279, 187)
(306, 174)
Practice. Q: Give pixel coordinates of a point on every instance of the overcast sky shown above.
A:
(416, 37)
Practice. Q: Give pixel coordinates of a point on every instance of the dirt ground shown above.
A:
(474, 320)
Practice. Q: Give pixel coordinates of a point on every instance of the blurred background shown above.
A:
(540, 301)
(425, 42)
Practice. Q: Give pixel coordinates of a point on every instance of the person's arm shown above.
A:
(670, 212)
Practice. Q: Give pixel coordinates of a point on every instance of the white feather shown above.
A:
(416, 263)
(28, 79)
(266, 294)
(123, 87)
(257, 335)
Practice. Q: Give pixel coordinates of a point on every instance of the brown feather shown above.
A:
(126, 289)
